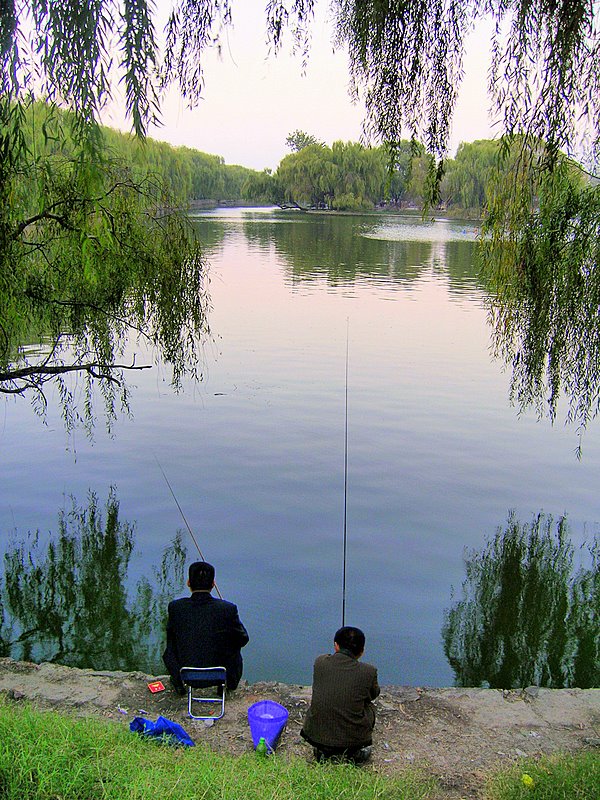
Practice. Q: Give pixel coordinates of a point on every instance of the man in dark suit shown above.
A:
(203, 631)
(341, 717)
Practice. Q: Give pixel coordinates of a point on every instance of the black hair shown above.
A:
(352, 639)
(201, 575)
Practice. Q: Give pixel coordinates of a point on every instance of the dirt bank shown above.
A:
(457, 734)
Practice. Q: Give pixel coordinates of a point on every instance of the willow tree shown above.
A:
(88, 253)
(405, 63)
(541, 241)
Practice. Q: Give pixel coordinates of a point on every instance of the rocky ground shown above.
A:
(456, 734)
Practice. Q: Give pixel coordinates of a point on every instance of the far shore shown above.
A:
(436, 214)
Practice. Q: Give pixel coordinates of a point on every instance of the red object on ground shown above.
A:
(156, 686)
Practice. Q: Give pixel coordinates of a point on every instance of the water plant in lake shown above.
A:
(65, 599)
(526, 617)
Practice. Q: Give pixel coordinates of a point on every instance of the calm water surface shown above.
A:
(255, 453)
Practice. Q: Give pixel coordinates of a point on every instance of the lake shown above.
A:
(437, 456)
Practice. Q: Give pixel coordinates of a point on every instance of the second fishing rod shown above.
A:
(345, 517)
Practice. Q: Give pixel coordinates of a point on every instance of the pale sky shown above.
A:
(253, 100)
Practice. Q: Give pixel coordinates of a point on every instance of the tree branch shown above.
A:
(26, 223)
(62, 219)
(47, 370)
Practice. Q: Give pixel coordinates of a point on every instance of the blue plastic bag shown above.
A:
(163, 728)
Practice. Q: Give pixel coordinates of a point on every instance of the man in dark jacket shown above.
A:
(203, 631)
(341, 717)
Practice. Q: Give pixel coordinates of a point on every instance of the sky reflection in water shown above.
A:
(255, 453)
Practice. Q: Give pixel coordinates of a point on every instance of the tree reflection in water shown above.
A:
(526, 617)
(66, 600)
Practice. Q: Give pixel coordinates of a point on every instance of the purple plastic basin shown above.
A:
(267, 719)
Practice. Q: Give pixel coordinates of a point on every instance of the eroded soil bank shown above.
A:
(456, 734)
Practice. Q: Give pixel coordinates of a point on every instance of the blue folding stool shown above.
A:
(204, 678)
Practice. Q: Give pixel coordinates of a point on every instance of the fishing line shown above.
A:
(184, 519)
(345, 479)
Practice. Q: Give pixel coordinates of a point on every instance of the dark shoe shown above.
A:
(321, 756)
(349, 756)
(360, 756)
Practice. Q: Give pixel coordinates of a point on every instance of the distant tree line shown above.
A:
(346, 176)
(349, 176)
(188, 175)
(182, 173)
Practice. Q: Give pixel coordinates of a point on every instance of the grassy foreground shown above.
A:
(49, 756)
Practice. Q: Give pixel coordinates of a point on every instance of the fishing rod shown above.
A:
(185, 520)
(345, 537)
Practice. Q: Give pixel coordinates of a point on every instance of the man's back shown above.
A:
(204, 632)
(207, 631)
(341, 714)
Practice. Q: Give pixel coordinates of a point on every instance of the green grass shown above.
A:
(49, 756)
(565, 777)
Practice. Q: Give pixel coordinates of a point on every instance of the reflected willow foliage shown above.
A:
(66, 599)
(348, 249)
(526, 617)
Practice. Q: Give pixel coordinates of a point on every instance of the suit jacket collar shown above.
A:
(343, 652)
(201, 597)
